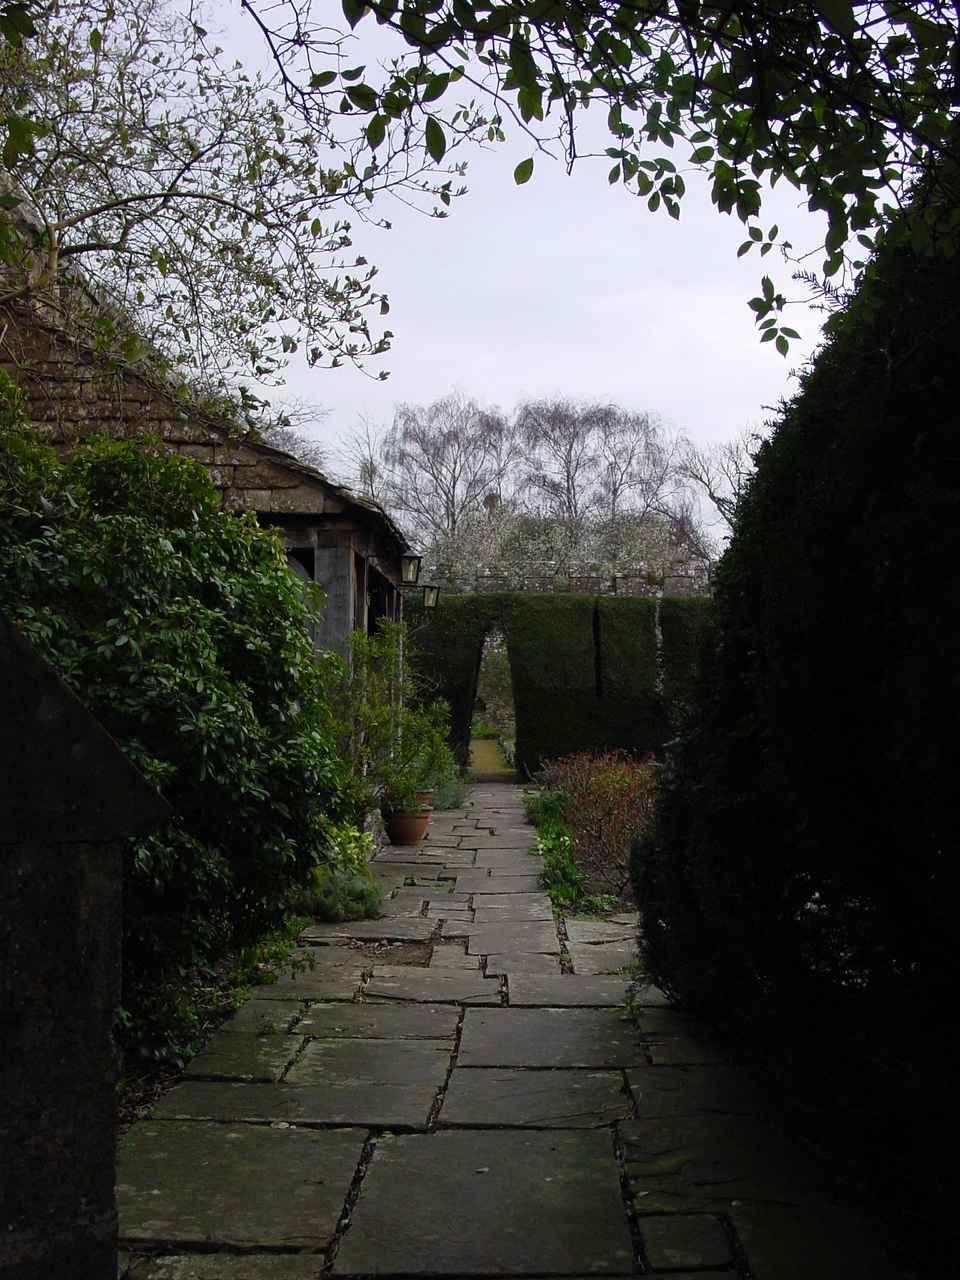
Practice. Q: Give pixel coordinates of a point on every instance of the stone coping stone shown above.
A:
(397, 1106)
(453, 956)
(432, 987)
(241, 1055)
(581, 930)
(567, 991)
(685, 1091)
(602, 957)
(534, 1099)
(264, 1016)
(685, 1240)
(589, 1038)
(397, 1062)
(222, 1266)
(371, 931)
(501, 1202)
(706, 1161)
(784, 1242)
(380, 1022)
(188, 1182)
(532, 962)
(513, 937)
(528, 906)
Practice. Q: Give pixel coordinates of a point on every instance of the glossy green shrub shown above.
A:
(184, 633)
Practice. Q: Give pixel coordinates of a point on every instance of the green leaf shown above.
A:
(436, 143)
(838, 14)
(436, 87)
(523, 172)
(96, 40)
(363, 97)
(376, 130)
(352, 11)
(321, 79)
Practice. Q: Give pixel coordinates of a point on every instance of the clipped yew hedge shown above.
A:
(585, 669)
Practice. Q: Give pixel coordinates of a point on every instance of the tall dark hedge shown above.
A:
(584, 669)
(802, 880)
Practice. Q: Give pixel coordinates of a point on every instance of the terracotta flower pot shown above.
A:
(424, 796)
(406, 828)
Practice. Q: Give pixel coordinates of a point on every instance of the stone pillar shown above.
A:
(68, 798)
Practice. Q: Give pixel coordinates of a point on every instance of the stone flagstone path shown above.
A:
(452, 1090)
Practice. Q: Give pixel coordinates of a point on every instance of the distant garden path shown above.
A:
(454, 1090)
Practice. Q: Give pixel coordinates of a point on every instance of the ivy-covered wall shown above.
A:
(585, 669)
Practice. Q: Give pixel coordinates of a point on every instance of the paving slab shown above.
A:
(530, 962)
(432, 987)
(385, 869)
(453, 956)
(264, 1016)
(379, 1022)
(527, 906)
(705, 1161)
(242, 1055)
(684, 1050)
(603, 957)
(534, 1099)
(594, 1038)
(685, 1091)
(441, 892)
(501, 860)
(394, 1106)
(397, 1062)
(321, 984)
(190, 1182)
(393, 909)
(477, 881)
(222, 1266)
(371, 931)
(438, 913)
(825, 1241)
(484, 899)
(504, 1202)
(513, 937)
(594, 931)
(568, 990)
(685, 1240)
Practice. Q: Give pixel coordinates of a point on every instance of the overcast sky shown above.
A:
(570, 286)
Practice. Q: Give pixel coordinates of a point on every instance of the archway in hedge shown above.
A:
(589, 673)
(494, 726)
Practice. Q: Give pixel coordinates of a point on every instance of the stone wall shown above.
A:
(682, 578)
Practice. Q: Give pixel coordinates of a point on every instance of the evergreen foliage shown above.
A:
(585, 670)
(184, 633)
(802, 879)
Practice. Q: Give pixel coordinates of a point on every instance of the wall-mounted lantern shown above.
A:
(431, 594)
(410, 568)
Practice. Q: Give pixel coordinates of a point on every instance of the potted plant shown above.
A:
(395, 749)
